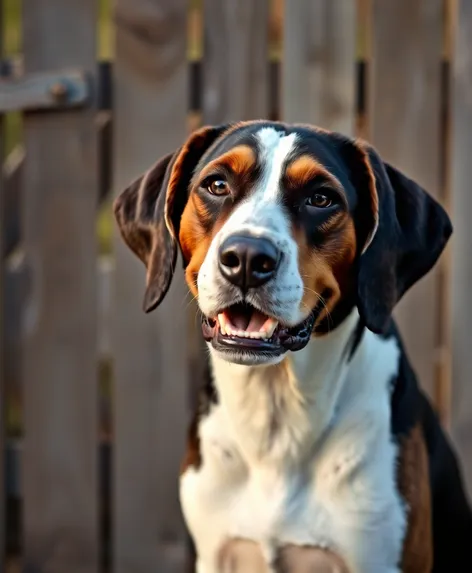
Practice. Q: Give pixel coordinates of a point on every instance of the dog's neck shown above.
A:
(279, 412)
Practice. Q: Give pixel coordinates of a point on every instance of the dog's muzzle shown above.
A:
(247, 326)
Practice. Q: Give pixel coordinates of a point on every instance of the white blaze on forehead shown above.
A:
(275, 148)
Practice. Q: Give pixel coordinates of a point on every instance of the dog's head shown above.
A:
(283, 229)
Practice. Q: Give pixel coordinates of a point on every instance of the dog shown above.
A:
(312, 432)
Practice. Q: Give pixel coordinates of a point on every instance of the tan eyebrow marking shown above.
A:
(239, 160)
(304, 169)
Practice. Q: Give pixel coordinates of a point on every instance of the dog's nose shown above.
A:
(248, 261)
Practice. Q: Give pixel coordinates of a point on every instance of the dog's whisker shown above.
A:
(189, 293)
(185, 297)
(193, 299)
(324, 304)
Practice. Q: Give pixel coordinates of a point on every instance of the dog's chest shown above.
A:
(259, 480)
(344, 497)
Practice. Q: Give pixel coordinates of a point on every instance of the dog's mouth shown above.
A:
(241, 327)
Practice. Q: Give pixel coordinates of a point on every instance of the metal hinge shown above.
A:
(45, 91)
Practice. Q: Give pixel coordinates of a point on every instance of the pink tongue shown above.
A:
(246, 322)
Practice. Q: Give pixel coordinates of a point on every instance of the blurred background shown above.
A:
(95, 396)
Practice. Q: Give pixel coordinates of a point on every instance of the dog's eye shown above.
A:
(319, 200)
(217, 187)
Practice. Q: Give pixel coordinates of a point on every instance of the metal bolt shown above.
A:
(58, 90)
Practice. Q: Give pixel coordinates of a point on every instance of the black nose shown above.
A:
(248, 261)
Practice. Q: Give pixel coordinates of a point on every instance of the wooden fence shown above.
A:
(91, 473)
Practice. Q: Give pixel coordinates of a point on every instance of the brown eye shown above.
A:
(218, 187)
(319, 200)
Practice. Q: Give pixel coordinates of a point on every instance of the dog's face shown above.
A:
(269, 237)
(282, 229)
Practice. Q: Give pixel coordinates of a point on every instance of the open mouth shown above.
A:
(242, 327)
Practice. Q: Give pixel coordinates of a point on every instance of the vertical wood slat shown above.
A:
(151, 367)
(2, 381)
(59, 466)
(404, 100)
(235, 63)
(318, 82)
(461, 142)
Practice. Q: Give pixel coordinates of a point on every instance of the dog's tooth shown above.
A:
(269, 327)
(222, 323)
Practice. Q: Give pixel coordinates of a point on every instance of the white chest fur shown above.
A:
(302, 453)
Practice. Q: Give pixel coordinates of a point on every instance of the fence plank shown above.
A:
(235, 64)
(59, 324)
(404, 100)
(2, 326)
(319, 63)
(151, 367)
(12, 174)
(461, 141)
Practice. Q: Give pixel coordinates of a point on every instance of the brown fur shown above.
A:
(413, 482)
(326, 272)
(304, 169)
(239, 161)
(192, 457)
(195, 242)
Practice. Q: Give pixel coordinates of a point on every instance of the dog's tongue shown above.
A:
(247, 319)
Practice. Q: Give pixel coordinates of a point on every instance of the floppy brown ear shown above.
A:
(148, 212)
(409, 231)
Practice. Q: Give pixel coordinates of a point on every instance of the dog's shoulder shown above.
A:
(429, 478)
(413, 468)
(451, 509)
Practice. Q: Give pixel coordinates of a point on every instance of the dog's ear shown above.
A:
(405, 231)
(148, 212)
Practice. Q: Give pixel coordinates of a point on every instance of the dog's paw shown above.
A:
(295, 559)
(242, 556)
